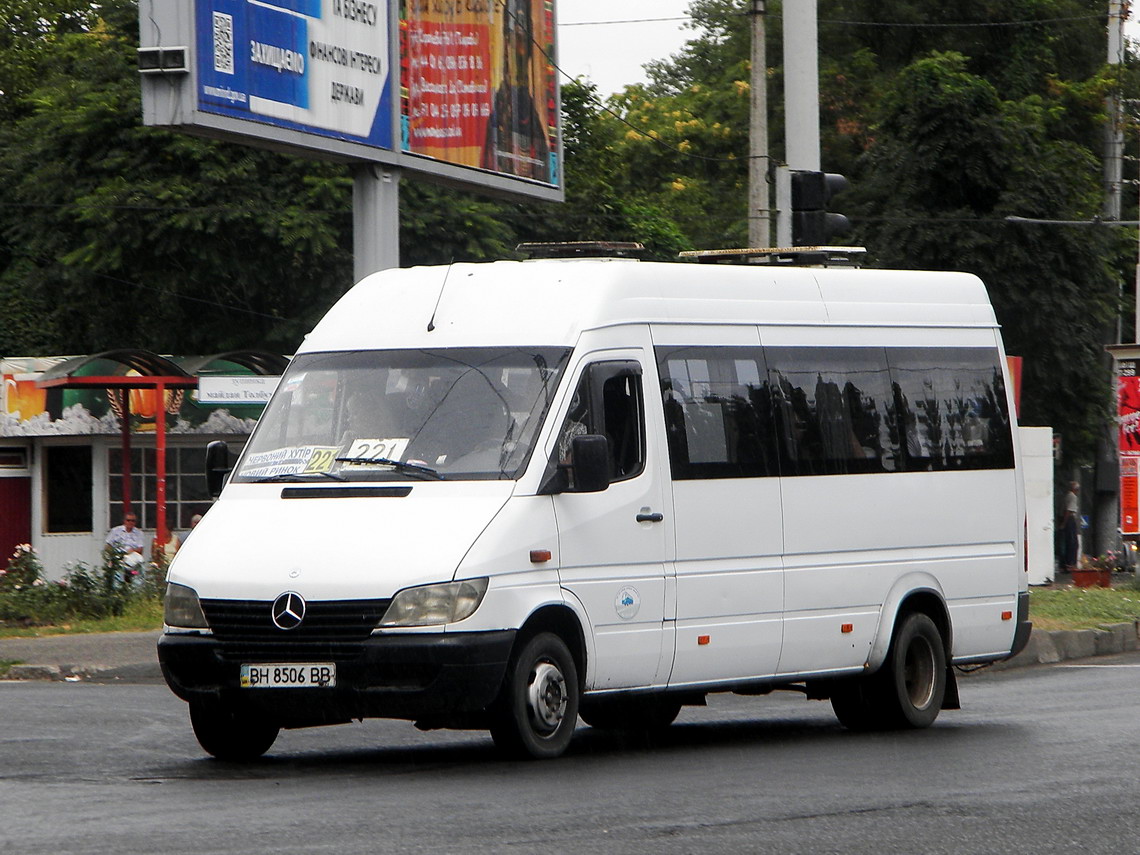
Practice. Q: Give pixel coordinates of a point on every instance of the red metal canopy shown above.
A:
(151, 371)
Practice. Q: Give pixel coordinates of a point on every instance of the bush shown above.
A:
(27, 599)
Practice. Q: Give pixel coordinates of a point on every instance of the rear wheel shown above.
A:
(229, 733)
(537, 708)
(907, 692)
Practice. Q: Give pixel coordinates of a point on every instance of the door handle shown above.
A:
(644, 517)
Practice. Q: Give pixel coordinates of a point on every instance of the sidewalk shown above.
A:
(97, 657)
(130, 657)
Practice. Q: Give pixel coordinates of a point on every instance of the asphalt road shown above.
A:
(1041, 760)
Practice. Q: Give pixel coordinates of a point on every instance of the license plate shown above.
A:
(296, 675)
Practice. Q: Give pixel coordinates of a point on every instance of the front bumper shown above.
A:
(412, 676)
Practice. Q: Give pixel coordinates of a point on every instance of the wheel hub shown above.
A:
(919, 673)
(546, 696)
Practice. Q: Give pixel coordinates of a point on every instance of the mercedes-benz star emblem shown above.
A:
(288, 610)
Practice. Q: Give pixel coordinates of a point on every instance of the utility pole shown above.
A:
(1113, 131)
(759, 229)
(1106, 507)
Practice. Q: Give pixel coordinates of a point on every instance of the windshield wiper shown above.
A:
(298, 476)
(399, 465)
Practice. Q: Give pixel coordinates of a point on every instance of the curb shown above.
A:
(142, 673)
(1047, 647)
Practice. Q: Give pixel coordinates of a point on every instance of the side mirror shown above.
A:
(218, 466)
(591, 463)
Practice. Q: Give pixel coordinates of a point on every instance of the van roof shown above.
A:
(551, 302)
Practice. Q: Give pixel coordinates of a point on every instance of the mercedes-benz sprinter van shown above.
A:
(507, 495)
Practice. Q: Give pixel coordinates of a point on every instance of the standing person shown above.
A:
(129, 541)
(1069, 528)
(194, 520)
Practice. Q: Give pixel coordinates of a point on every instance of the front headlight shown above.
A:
(432, 605)
(181, 608)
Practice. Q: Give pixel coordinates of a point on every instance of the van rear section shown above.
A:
(512, 495)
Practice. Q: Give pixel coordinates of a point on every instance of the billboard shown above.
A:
(318, 66)
(462, 90)
(477, 88)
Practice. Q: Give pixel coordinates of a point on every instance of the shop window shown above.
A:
(186, 492)
(68, 488)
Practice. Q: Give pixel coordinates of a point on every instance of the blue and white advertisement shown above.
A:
(319, 66)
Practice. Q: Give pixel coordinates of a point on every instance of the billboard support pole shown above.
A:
(375, 219)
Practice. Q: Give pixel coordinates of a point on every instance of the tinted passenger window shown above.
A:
(833, 410)
(717, 412)
(952, 406)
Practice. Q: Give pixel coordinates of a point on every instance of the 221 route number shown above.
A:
(304, 675)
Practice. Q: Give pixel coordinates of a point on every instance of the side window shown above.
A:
(833, 409)
(608, 401)
(67, 476)
(717, 406)
(952, 408)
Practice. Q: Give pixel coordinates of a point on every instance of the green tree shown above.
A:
(600, 203)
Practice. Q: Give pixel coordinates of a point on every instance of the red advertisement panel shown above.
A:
(477, 88)
(1129, 498)
(1128, 407)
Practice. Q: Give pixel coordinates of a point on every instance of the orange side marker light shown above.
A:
(847, 627)
(703, 639)
(1007, 615)
(538, 556)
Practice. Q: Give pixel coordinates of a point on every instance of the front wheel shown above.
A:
(537, 708)
(229, 733)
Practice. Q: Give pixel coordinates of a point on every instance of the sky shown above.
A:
(611, 54)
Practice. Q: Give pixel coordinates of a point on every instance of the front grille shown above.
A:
(332, 629)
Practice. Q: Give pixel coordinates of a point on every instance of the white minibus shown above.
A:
(512, 494)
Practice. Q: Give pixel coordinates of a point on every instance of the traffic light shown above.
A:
(812, 224)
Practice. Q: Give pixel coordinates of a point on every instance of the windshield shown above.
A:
(404, 414)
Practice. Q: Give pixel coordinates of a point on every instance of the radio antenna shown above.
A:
(431, 323)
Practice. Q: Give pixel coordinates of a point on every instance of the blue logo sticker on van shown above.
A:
(628, 603)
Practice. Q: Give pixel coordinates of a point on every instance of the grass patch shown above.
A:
(1083, 608)
(6, 664)
(140, 615)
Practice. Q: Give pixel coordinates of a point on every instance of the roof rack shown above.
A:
(790, 256)
(583, 249)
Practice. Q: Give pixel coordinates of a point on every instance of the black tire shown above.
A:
(537, 708)
(907, 692)
(647, 712)
(231, 734)
(854, 704)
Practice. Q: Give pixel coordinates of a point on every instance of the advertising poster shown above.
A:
(1128, 407)
(318, 66)
(1129, 499)
(477, 87)
(1128, 417)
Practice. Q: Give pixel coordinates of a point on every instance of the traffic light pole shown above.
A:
(801, 107)
(801, 85)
